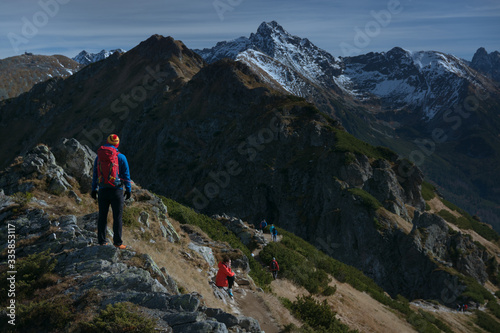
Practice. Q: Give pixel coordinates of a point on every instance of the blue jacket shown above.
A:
(123, 173)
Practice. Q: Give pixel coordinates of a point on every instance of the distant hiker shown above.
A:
(225, 276)
(274, 233)
(465, 307)
(274, 267)
(262, 225)
(111, 173)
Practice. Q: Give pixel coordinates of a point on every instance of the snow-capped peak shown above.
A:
(86, 58)
(426, 82)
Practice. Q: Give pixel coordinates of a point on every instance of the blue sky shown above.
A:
(341, 27)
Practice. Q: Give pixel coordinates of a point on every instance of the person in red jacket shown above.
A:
(225, 276)
(274, 267)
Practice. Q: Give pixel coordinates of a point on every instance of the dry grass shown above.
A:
(190, 273)
(360, 311)
(401, 223)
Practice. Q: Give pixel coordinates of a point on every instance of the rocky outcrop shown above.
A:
(115, 275)
(107, 270)
(487, 63)
(39, 164)
(77, 160)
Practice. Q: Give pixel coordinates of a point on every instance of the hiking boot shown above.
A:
(230, 292)
(102, 244)
(121, 247)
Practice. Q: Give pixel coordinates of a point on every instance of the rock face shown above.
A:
(77, 160)
(487, 63)
(38, 164)
(116, 275)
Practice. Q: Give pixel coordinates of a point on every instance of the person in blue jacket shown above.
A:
(107, 187)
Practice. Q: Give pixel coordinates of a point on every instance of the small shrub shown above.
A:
(435, 321)
(130, 217)
(474, 291)
(494, 308)
(486, 322)
(329, 291)
(33, 272)
(51, 315)
(421, 324)
(447, 216)
(22, 198)
(317, 315)
(369, 201)
(428, 191)
(117, 318)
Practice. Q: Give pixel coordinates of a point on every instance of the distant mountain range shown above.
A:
(438, 110)
(86, 58)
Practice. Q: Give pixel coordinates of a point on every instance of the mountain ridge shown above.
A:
(427, 106)
(219, 138)
(20, 73)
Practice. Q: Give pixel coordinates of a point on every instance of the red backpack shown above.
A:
(107, 167)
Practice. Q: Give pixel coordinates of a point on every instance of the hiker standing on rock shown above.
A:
(274, 233)
(274, 267)
(111, 173)
(225, 276)
(263, 225)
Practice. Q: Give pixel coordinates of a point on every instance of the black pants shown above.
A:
(230, 281)
(113, 197)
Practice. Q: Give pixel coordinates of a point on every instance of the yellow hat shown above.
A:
(114, 140)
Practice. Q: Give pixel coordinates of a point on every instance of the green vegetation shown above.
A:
(317, 316)
(348, 143)
(33, 272)
(467, 222)
(494, 308)
(486, 322)
(428, 191)
(435, 321)
(293, 252)
(215, 230)
(369, 201)
(48, 315)
(130, 216)
(119, 317)
(296, 267)
(474, 291)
